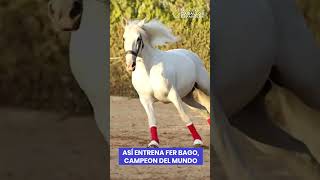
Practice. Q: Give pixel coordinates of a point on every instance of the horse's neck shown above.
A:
(91, 38)
(149, 56)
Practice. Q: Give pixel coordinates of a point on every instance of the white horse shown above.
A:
(167, 76)
(87, 19)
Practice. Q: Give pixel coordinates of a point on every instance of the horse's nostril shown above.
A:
(76, 9)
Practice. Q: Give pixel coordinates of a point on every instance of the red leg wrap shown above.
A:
(193, 132)
(154, 134)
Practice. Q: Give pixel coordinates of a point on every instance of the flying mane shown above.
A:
(157, 33)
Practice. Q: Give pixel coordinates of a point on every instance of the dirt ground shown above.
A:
(37, 145)
(129, 128)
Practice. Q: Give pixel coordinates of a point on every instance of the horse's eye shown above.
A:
(123, 39)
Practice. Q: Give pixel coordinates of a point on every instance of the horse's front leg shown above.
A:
(147, 104)
(174, 97)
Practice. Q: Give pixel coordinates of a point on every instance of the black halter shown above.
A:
(140, 47)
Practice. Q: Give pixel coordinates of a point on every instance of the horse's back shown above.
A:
(199, 64)
(189, 54)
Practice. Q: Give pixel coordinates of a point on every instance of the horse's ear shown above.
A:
(142, 22)
(124, 22)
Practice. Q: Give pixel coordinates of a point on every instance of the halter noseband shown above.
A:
(140, 47)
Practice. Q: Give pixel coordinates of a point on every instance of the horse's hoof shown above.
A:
(197, 143)
(153, 144)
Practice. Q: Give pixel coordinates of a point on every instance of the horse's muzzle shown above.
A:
(75, 26)
(131, 67)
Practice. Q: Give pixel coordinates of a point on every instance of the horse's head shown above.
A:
(133, 39)
(137, 34)
(65, 14)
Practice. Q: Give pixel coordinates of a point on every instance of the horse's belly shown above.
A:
(185, 85)
(183, 74)
(173, 74)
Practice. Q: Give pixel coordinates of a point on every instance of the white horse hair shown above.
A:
(88, 52)
(168, 76)
(159, 34)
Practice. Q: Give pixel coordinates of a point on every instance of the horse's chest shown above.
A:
(151, 84)
(140, 81)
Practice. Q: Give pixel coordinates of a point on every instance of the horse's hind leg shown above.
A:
(293, 116)
(199, 100)
(203, 81)
(174, 97)
(202, 91)
(202, 99)
(147, 104)
(191, 101)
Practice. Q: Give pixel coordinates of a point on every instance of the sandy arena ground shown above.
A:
(37, 145)
(129, 128)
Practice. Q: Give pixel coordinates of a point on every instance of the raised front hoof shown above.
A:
(153, 144)
(197, 143)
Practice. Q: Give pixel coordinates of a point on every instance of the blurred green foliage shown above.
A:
(311, 12)
(194, 33)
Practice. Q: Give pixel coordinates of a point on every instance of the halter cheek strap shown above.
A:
(140, 47)
(132, 52)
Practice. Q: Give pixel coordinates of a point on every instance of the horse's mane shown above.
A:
(158, 34)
